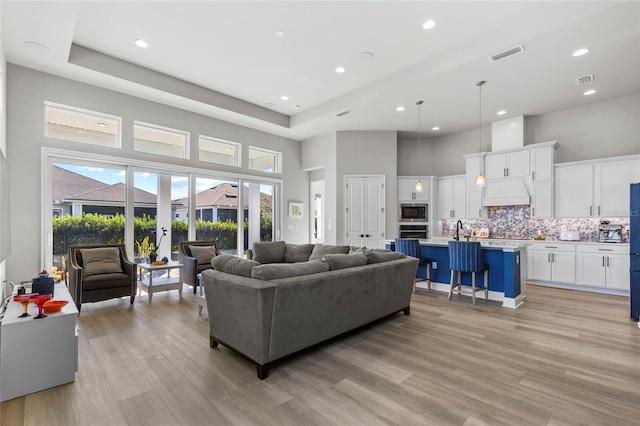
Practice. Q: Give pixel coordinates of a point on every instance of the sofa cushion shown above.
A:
(378, 256)
(269, 252)
(320, 250)
(297, 252)
(287, 270)
(101, 260)
(233, 265)
(103, 281)
(203, 254)
(342, 261)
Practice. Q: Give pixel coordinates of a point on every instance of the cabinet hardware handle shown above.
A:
(548, 257)
(368, 235)
(598, 210)
(607, 261)
(605, 249)
(361, 235)
(533, 211)
(553, 257)
(504, 172)
(591, 211)
(479, 212)
(603, 261)
(533, 175)
(551, 247)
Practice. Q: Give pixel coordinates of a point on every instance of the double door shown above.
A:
(365, 215)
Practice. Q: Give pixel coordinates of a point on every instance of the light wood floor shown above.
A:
(565, 357)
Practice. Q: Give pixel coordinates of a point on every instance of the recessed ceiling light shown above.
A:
(270, 105)
(141, 43)
(429, 24)
(400, 108)
(340, 69)
(589, 92)
(581, 52)
(297, 107)
(103, 124)
(435, 128)
(279, 33)
(501, 112)
(366, 56)
(284, 97)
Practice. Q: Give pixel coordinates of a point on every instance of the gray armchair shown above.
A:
(100, 272)
(196, 257)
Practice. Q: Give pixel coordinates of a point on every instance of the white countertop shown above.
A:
(505, 245)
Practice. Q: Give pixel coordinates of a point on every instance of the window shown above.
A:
(78, 125)
(264, 160)
(219, 151)
(158, 140)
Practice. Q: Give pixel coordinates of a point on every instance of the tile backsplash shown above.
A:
(515, 222)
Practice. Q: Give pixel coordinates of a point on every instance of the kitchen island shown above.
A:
(507, 268)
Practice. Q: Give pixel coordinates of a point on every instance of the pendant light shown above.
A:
(480, 182)
(419, 183)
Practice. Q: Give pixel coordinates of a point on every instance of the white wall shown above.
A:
(320, 153)
(26, 92)
(3, 143)
(600, 130)
(372, 153)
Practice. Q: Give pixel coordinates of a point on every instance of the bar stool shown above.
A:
(411, 247)
(467, 257)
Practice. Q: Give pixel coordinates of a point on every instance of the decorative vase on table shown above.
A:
(152, 256)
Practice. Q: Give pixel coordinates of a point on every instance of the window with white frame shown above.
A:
(80, 125)
(212, 150)
(153, 139)
(265, 160)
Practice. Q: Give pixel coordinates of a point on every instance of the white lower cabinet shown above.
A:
(552, 262)
(604, 266)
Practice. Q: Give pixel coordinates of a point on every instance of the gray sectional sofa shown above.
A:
(289, 297)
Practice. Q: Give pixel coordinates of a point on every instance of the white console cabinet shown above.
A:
(37, 354)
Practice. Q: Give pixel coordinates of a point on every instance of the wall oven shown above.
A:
(414, 231)
(413, 212)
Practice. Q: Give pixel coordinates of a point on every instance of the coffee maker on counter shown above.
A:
(609, 233)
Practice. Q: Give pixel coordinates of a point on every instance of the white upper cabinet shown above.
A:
(542, 162)
(542, 199)
(407, 190)
(451, 197)
(611, 186)
(574, 190)
(595, 189)
(510, 164)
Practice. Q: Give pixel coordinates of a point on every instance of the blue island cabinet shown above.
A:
(504, 262)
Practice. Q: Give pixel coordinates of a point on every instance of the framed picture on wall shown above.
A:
(295, 210)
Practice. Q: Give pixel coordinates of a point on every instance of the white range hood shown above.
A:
(507, 136)
(513, 192)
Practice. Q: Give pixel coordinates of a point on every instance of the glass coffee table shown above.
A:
(156, 278)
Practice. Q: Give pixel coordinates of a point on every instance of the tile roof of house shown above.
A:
(222, 195)
(71, 186)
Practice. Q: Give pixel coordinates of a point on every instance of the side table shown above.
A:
(155, 278)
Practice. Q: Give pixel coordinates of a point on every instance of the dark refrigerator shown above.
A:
(634, 251)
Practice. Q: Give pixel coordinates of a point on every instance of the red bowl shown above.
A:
(51, 306)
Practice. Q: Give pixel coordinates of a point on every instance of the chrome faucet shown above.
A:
(458, 228)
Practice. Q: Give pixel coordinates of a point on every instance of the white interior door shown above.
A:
(365, 216)
(317, 203)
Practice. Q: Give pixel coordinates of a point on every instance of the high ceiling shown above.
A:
(225, 59)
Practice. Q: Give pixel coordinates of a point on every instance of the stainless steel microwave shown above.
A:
(413, 212)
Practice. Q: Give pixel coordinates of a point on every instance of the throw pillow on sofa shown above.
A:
(342, 261)
(269, 252)
(233, 265)
(275, 271)
(204, 254)
(102, 260)
(297, 252)
(320, 250)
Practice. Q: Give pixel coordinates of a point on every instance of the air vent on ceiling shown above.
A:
(343, 113)
(506, 53)
(584, 80)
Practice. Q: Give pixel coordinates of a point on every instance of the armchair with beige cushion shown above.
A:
(196, 257)
(100, 272)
